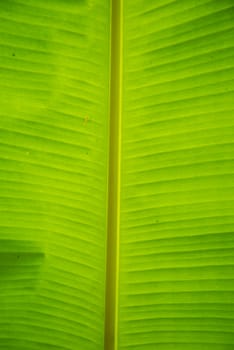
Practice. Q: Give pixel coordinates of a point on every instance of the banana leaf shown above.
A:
(116, 174)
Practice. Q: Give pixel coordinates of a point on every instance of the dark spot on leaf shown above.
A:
(13, 54)
(86, 119)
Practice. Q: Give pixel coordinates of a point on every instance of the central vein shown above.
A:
(112, 262)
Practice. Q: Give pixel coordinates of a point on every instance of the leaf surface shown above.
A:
(116, 153)
(176, 230)
(54, 58)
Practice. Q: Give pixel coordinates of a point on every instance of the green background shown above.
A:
(176, 240)
(54, 74)
(176, 233)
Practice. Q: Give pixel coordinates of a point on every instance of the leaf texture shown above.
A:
(172, 87)
(176, 231)
(54, 79)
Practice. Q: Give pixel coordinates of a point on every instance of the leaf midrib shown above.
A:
(113, 210)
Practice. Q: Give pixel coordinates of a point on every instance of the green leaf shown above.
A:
(54, 58)
(116, 174)
(176, 230)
